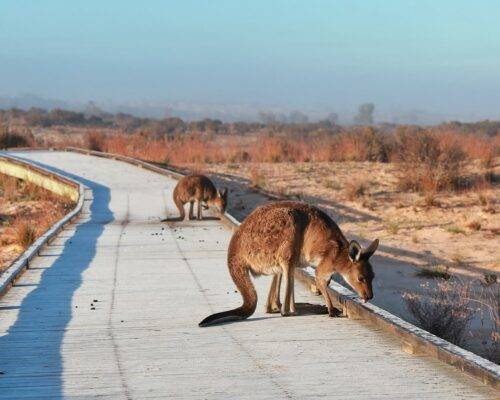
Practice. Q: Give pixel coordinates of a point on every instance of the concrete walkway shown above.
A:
(110, 310)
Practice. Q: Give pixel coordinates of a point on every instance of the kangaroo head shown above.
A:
(220, 201)
(359, 272)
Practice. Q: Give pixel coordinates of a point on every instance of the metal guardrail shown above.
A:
(51, 181)
(413, 340)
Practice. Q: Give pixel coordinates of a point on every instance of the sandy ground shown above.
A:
(461, 233)
(413, 236)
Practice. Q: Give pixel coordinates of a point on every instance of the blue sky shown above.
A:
(439, 56)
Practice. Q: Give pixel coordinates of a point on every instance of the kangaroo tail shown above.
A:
(241, 277)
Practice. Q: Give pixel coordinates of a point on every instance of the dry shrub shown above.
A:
(429, 162)
(355, 189)
(437, 151)
(474, 225)
(434, 271)
(480, 147)
(8, 187)
(444, 310)
(257, 178)
(25, 233)
(96, 141)
(488, 299)
(14, 139)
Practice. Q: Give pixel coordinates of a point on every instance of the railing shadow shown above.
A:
(31, 363)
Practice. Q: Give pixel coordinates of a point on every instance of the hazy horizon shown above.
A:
(319, 56)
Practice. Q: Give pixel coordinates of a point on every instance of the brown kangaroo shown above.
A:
(278, 237)
(198, 188)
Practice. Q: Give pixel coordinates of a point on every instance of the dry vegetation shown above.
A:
(447, 308)
(444, 310)
(26, 212)
(430, 194)
(432, 191)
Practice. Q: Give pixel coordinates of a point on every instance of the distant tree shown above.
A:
(365, 114)
(333, 118)
(297, 117)
(168, 113)
(267, 117)
(92, 110)
(62, 117)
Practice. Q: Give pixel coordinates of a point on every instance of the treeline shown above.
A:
(172, 126)
(293, 126)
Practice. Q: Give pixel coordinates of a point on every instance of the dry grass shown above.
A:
(355, 189)
(434, 271)
(438, 152)
(25, 233)
(430, 199)
(8, 187)
(392, 226)
(430, 161)
(474, 225)
(257, 179)
(455, 230)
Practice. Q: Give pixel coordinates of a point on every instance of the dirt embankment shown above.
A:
(26, 212)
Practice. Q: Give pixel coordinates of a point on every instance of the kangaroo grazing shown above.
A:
(278, 237)
(198, 188)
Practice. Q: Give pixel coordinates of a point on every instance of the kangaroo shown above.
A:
(198, 188)
(278, 237)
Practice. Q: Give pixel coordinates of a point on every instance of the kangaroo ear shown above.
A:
(354, 251)
(223, 192)
(368, 252)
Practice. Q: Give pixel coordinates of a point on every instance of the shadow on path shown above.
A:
(31, 362)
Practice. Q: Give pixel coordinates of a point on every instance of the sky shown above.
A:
(442, 57)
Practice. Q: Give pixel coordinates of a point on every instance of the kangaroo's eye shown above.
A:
(361, 279)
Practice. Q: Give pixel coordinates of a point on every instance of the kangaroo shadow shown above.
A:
(341, 212)
(179, 219)
(31, 362)
(310, 309)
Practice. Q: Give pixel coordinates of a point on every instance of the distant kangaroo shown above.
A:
(198, 188)
(275, 239)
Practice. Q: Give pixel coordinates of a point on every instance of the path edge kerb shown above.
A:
(16, 269)
(413, 340)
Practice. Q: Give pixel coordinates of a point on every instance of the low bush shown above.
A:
(10, 139)
(444, 310)
(25, 233)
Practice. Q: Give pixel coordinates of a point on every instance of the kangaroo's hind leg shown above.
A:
(288, 306)
(199, 209)
(180, 207)
(191, 206)
(273, 304)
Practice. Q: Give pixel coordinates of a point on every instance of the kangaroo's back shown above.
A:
(195, 188)
(270, 232)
